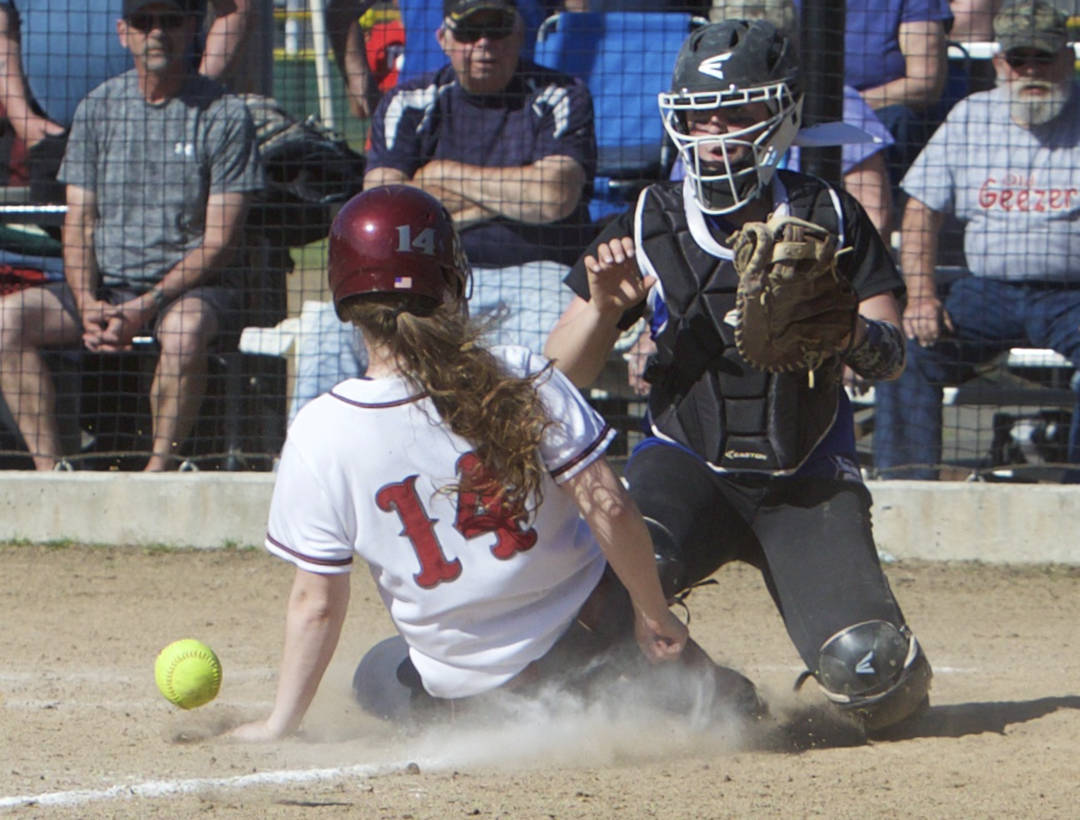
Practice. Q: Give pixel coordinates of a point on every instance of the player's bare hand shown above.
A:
(925, 318)
(615, 283)
(660, 640)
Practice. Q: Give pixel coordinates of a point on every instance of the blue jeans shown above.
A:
(990, 316)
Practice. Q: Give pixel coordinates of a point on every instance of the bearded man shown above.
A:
(1006, 163)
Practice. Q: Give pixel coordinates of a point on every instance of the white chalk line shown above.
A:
(67, 704)
(169, 788)
(123, 675)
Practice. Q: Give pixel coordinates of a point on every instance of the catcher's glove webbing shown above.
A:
(794, 310)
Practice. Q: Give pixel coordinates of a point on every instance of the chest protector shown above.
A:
(703, 394)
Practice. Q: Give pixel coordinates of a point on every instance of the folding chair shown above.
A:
(626, 59)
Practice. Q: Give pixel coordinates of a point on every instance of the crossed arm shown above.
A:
(545, 191)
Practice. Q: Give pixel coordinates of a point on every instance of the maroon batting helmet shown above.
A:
(396, 239)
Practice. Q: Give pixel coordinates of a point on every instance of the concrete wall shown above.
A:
(1022, 523)
(969, 521)
(179, 509)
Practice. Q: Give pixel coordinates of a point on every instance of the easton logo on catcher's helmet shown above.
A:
(396, 239)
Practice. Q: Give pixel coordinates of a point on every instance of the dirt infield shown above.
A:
(83, 731)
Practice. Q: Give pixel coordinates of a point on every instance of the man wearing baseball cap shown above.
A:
(159, 166)
(1006, 163)
(509, 147)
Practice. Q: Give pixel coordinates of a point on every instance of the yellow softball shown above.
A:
(188, 673)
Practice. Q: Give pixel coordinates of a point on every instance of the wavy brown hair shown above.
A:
(438, 350)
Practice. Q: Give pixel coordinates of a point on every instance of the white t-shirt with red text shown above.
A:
(1017, 190)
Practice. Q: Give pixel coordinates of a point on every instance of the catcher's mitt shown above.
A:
(794, 309)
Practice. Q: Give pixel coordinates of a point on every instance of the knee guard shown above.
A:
(670, 565)
(876, 671)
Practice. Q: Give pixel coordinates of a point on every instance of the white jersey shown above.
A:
(364, 471)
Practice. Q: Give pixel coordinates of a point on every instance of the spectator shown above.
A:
(743, 464)
(1006, 163)
(158, 169)
(509, 147)
(894, 55)
(506, 144)
(54, 52)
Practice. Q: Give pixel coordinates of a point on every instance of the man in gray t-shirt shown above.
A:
(159, 166)
(1006, 163)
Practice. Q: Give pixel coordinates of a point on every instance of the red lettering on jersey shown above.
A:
(477, 514)
(420, 530)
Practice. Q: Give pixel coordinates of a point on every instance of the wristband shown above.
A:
(881, 354)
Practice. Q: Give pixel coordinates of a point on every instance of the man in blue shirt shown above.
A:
(509, 147)
(506, 144)
(894, 55)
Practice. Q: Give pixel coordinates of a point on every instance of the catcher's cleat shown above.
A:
(722, 692)
(738, 695)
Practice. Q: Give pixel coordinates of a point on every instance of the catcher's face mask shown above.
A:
(728, 169)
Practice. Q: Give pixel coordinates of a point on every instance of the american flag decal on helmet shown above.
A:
(403, 282)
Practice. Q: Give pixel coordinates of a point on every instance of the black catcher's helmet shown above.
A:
(731, 64)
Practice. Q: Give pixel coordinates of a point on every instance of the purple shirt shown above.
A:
(542, 113)
(872, 55)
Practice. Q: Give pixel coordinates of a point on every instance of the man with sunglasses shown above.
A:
(509, 147)
(158, 170)
(1006, 163)
(54, 52)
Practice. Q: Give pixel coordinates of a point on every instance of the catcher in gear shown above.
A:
(758, 287)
